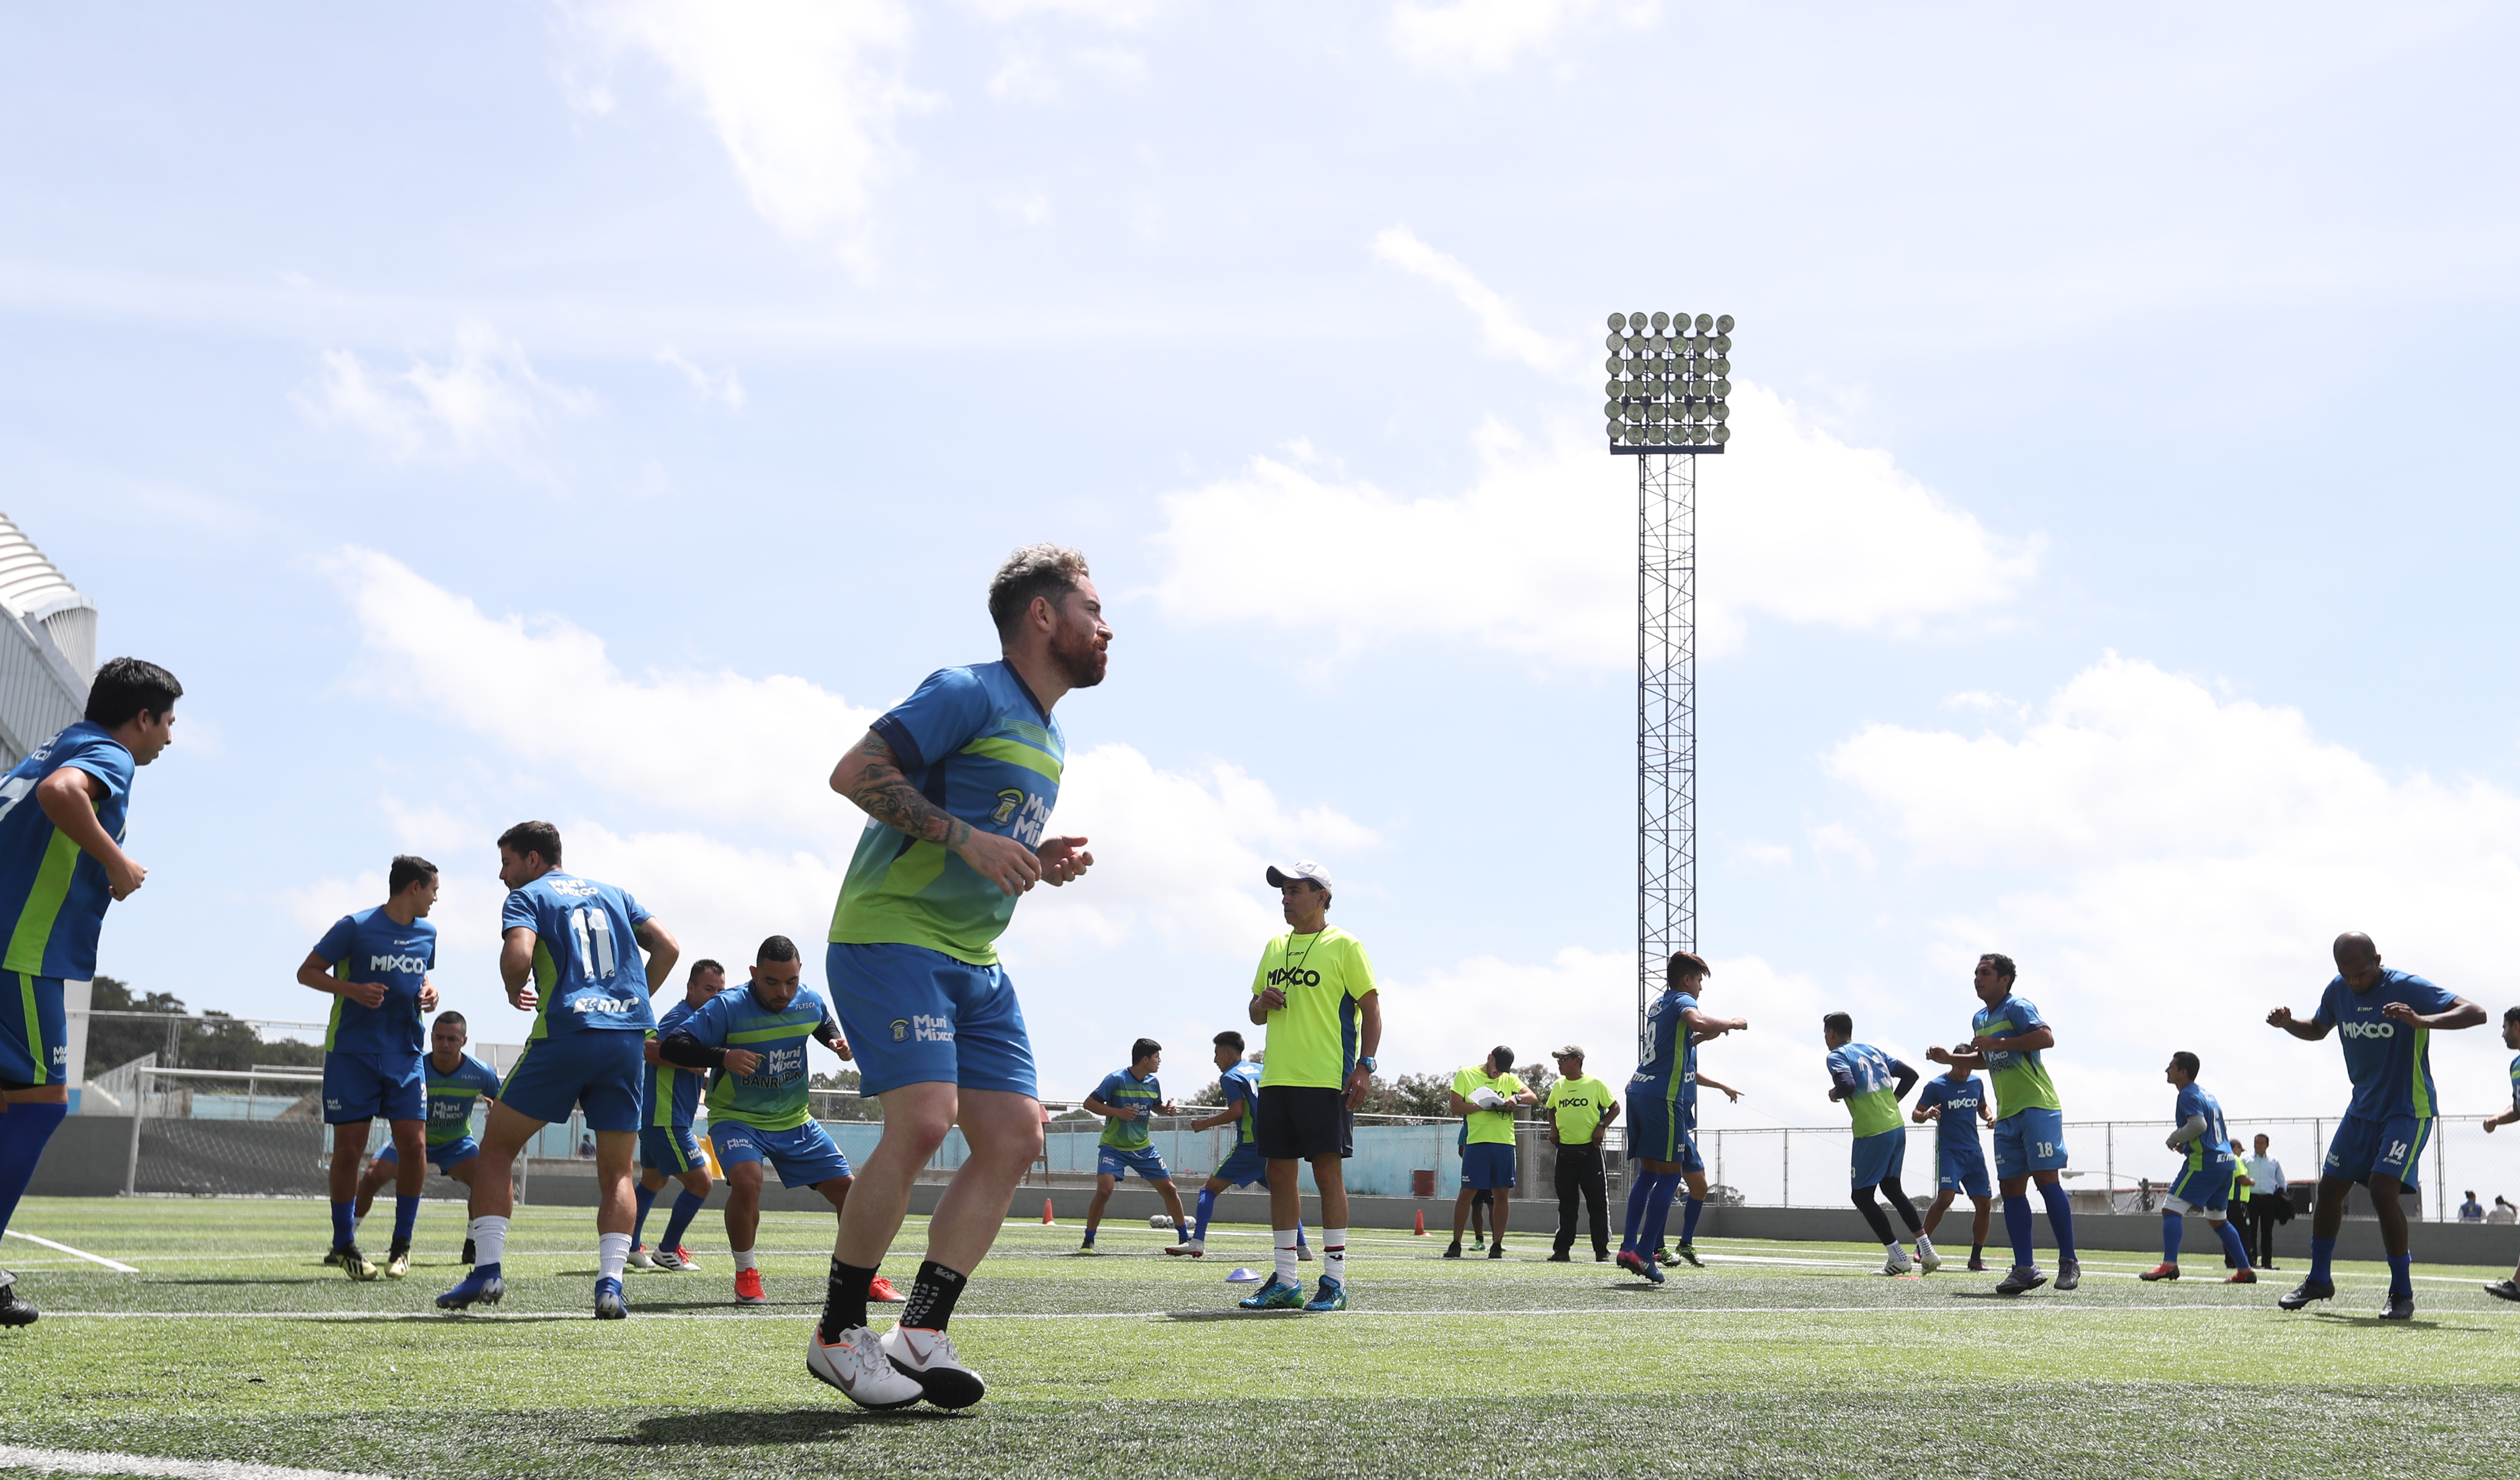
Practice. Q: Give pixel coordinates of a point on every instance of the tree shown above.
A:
(212, 1040)
(1536, 1078)
(855, 1108)
(1427, 1096)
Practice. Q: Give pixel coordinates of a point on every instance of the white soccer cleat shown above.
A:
(927, 1358)
(1189, 1248)
(856, 1365)
(1898, 1262)
(641, 1259)
(1928, 1256)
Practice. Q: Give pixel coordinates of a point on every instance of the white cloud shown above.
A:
(802, 94)
(1501, 324)
(2167, 864)
(1119, 14)
(1470, 36)
(1538, 557)
(723, 387)
(485, 401)
(1030, 207)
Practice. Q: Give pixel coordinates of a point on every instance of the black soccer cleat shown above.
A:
(2504, 1289)
(467, 1251)
(1453, 1251)
(2305, 1292)
(14, 1309)
(1688, 1250)
(2400, 1306)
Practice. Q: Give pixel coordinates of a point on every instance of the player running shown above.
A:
(1662, 1114)
(570, 955)
(752, 1041)
(2008, 1036)
(2387, 1017)
(1313, 992)
(60, 863)
(1126, 1100)
(2204, 1181)
(1238, 1082)
(1873, 1082)
(375, 965)
(961, 776)
(2508, 1290)
(669, 1101)
(1955, 1101)
(452, 1080)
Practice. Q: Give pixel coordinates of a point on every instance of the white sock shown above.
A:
(1334, 1254)
(489, 1235)
(1924, 1244)
(1286, 1255)
(744, 1259)
(611, 1253)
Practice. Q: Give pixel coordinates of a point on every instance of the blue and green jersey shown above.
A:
(53, 896)
(1870, 1079)
(670, 1097)
(450, 1094)
(588, 973)
(1667, 1052)
(1124, 1090)
(2390, 1063)
(2214, 1147)
(373, 946)
(775, 1096)
(2020, 1080)
(1959, 1099)
(1240, 1086)
(977, 744)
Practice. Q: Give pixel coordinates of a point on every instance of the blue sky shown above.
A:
(600, 411)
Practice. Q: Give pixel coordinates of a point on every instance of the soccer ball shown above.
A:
(1160, 1221)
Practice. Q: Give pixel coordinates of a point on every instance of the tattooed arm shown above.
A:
(869, 775)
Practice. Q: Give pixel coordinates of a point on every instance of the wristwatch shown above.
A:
(1366, 1064)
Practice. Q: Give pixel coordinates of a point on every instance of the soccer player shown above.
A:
(1580, 1111)
(760, 1100)
(1484, 1096)
(669, 1101)
(1238, 1082)
(60, 863)
(2008, 1036)
(1662, 1114)
(375, 965)
(961, 776)
(2387, 1018)
(1873, 1082)
(452, 1079)
(1313, 992)
(570, 955)
(1126, 1100)
(2204, 1179)
(2507, 1289)
(1955, 1101)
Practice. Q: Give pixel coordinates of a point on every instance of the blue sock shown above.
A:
(1689, 1219)
(2322, 1251)
(345, 1224)
(1639, 1192)
(687, 1206)
(2174, 1230)
(1657, 1213)
(2233, 1245)
(406, 1215)
(2060, 1219)
(646, 1197)
(1206, 1211)
(23, 1130)
(2016, 1222)
(2402, 1277)
(1299, 1233)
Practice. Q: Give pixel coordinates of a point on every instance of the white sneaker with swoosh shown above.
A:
(927, 1358)
(856, 1366)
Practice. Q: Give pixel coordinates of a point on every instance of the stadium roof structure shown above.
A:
(47, 647)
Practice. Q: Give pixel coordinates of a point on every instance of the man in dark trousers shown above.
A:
(1579, 1110)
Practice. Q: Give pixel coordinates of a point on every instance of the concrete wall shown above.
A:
(85, 1158)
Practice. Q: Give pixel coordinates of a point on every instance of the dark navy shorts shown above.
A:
(35, 1032)
(803, 1157)
(372, 1086)
(598, 1070)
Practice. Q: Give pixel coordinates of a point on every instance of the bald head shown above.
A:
(2358, 961)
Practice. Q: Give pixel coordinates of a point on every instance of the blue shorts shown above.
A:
(803, 1157)
(1878, 1159)
(2028, 1141)
(1487, 1164)
(368, 1085)
(668, 1148)
(1963, 1169)
(2203, 1189)
(1662, 1130)
(920, 1016)
(598, 1069)
(1111, 1161)
(1242, 1168)
(460, 1149)
(2363, 1149)
(35, 1032)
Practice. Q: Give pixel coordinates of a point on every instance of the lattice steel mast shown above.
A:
(1669, 379)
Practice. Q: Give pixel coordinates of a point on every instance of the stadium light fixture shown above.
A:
(1668, 382)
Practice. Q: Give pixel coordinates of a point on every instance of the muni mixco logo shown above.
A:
(2368, 1029)
(927, 1027)
(403, 964)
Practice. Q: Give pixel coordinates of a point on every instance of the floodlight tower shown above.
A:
(1669, 380)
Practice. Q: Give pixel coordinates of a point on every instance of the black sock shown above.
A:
(844, 1300)
(931, 1298)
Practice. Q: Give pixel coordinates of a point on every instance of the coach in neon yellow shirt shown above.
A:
(1315, 994)
(1580, 1108)
(1484, 1096)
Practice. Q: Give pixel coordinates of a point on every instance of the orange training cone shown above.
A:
(1421, 1223)
(1044, 1210)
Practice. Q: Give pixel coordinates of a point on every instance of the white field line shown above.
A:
(2042, 1306)
(88, 1462)
(109, 1263)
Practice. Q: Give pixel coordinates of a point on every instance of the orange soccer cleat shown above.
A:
(2242, 1275)
(2160, 1271)
(881, 1292)
(747, 1289)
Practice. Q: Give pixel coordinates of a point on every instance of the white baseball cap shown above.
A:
(1280, 878)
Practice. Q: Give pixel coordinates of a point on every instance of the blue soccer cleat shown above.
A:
(1276, 1295)
(609, 1303)
(482, 1287)
(1331, 1296)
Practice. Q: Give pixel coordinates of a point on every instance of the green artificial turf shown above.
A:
(232, 1342)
